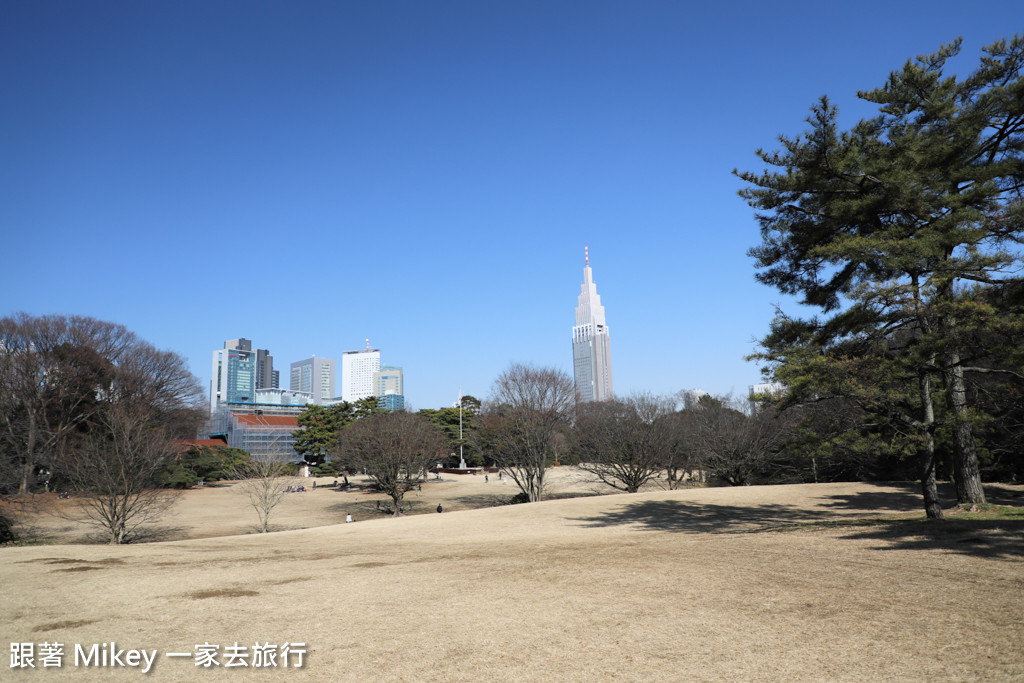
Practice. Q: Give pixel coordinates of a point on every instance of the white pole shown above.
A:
(462, 460)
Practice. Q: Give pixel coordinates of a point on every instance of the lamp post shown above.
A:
(462, 460)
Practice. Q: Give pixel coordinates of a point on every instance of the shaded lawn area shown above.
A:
(995, 531)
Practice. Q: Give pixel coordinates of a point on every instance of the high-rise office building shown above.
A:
(266, 376)
(314, 376)
(387, 380)
(591, 344)
(233, 375)
(357, 368)
(388, 387)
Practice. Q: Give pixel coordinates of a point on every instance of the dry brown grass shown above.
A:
(758, 583)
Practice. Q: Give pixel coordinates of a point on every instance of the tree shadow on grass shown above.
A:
(92, 535)
(988, 538)
(353, 487)
(362, 509)
(881, 498)
(908, 498)
(680, 516)
(999, 539)
(481, 500)
(1003, 494)
(157, 534)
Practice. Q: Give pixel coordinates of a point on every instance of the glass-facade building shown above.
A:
(238, 371)
(233, 377)
(391, 402)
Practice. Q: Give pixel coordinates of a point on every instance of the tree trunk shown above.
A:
(929, 490)
(29, 465)
(965, 454)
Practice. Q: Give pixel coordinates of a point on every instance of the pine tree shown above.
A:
(884, 227)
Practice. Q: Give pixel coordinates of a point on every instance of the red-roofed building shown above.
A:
(269, 421)
(210, 443)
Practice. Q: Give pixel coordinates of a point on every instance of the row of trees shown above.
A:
(90, 408)
(531, 422)
(395, 449)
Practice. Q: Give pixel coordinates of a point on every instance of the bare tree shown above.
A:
(731, 444)
(527, 407)
(680, 461)
(265, 481)
(58, 372)
(52, 374)
(161, 380)
(625, 442)
(114, 471)
(394, 449)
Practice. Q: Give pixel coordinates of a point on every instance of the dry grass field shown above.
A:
(753, 584)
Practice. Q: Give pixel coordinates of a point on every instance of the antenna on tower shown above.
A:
(367, 343)
(586, 254)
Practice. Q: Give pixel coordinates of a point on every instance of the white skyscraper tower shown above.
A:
(591, 345)
(357, 368)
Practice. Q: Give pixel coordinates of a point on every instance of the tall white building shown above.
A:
(357, 368)
(591, 345)
(314, 376)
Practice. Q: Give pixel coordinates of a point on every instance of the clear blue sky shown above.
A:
(425, 174)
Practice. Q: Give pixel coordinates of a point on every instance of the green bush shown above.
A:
(323, 470)
(7, 534)
(203, 463)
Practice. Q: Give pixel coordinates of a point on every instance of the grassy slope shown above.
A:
(713, 584)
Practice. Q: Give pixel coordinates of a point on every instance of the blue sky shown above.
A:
(425, 174)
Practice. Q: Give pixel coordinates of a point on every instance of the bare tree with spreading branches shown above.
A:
(265, 481)
(394, 449)
(526, 409)
(58, 372)
(626, 442)
(731, 444)
(114, 470)
(53, 372)
(78, 395)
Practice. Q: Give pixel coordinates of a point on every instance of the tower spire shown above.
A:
(591, 349)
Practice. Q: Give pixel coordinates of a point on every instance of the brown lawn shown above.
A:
(753, 584)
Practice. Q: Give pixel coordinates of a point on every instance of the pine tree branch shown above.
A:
(993, 371)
